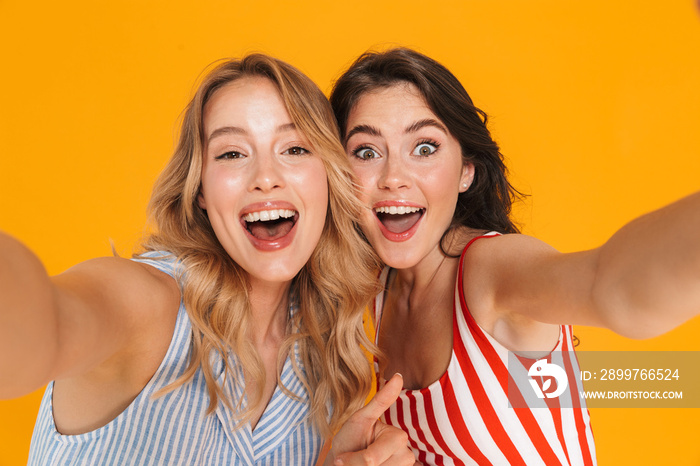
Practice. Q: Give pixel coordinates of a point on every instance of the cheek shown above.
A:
(217, 183)
(313, 183)
(317, 180)
(447, 180)
(321, 198)
(366, 179)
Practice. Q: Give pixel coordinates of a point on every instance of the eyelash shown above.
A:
(430, 142)
(304, 151)
(357, 150)
(230, 155)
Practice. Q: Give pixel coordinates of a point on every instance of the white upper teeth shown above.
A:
(396, 210)
(266, 215)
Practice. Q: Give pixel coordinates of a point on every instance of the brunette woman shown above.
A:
(464, 290)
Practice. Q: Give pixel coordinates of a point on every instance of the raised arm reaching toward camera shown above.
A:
(83, 327)
(641, 283)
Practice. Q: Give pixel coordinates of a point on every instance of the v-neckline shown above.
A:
(281, 416)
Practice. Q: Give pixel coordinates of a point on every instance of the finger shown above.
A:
(389, 448)
(403, 458)
(383, 398)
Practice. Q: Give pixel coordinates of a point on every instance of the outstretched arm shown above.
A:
(63, 326)
(644, 281)
(648, 273)
(28, 323)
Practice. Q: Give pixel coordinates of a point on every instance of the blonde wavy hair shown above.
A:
(332, 288)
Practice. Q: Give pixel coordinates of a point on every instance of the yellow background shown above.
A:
(596, 105)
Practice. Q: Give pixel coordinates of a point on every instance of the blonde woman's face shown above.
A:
(263, 188)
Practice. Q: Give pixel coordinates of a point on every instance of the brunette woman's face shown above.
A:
(411, 171)
(263, 187)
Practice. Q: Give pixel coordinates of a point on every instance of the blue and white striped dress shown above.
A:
(174, 429)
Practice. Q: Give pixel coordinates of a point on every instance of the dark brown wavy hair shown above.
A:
(486, 205)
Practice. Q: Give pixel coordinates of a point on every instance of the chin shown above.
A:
(400, 265)
(275, 273)
(397, 261)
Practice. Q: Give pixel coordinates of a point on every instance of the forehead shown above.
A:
(243, 98)
(394, 104)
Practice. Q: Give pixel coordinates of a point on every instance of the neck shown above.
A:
(269, 302)
(433, 278)
(423, 282)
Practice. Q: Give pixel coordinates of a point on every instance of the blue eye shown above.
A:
(230, 155)
(425, 149)
(365, 153)
(296, 150)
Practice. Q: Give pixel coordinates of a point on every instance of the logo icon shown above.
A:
(541, 368)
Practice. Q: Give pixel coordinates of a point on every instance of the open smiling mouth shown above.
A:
(398, 219)
(270, 225)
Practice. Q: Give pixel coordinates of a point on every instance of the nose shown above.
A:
(394, 174)
(268, 174)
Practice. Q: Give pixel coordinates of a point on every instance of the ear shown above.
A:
(467, 177)
(200, 200)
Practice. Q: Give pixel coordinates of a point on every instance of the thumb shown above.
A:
(383, 399)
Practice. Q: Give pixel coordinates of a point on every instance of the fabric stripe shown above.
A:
(580, 412)
(459, 427)
(413, 407)
(493, 423)
(433, 424)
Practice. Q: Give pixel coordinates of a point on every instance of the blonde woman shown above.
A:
(235, 338)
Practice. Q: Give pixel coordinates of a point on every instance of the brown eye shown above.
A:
(296, 150)
(365, 153)
(424, 149)
(229, 156)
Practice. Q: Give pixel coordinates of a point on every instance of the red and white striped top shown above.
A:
(465, 416)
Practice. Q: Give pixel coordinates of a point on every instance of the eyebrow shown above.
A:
(412, 128)
(420, 124)
(363, 129)
(237, 130)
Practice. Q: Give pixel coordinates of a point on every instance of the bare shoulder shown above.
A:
(514, 247)
(494, 278)
(117, 322)
(501, 258)
(108, 306)
(120, 284)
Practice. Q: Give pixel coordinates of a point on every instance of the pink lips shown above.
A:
(401, 236)
(268, 245)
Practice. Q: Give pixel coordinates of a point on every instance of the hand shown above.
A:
(365, 440)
